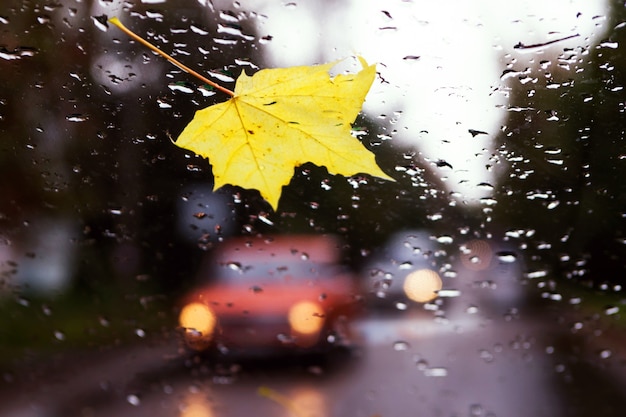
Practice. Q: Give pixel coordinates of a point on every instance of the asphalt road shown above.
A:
(483, 358)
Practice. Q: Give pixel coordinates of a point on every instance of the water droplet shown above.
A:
(486, 355)
(555, 297)
(405, 265)
(220, 41)
(609, 311)
(235, 266)
(575, 300)
(605, 354)
(231, 29)
(152, 14)
(43, 19)
(46, 310)
(449, 293)
(537, 274)
(228, 16)
(471, 309)
(180, 87)
(421, 364)
(401, 345)
(436, 372)
(553, 204)
(163, 104)
(222, 76)
(205, 91)
(198, 31)
(18, 53)
(431, 307)
(445, 239)
(101, 22)
(476, 410)
(133, 400)
(401, 306)
(59, 335)
(76, 117)
(506, 257)
(443, 164)
(434, 217)
(266, 220)
(612, 45)
(140, 332)
(551, 150)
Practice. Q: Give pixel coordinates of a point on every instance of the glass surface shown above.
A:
(489, 273)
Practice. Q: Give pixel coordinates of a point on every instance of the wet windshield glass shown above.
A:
(460, 232)
(270, 271)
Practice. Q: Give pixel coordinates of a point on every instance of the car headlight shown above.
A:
(198, 320)
(422, 285)
(306, 318)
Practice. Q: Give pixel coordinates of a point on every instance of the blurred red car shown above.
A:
(268, 294)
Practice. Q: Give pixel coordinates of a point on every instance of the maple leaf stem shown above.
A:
(115, 21)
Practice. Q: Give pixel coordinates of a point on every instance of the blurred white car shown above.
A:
(405, 272)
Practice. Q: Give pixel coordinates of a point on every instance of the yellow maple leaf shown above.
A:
(279, 119)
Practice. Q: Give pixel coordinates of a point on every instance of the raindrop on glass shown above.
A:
(77, 118)
(235, 266)
(506, 257)
(421, 364)
(133, 400)
(445, 239)
(436, 372)
(401, 345)
(471, 309)
(476, 410)
(101, 22)
(486, 355)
